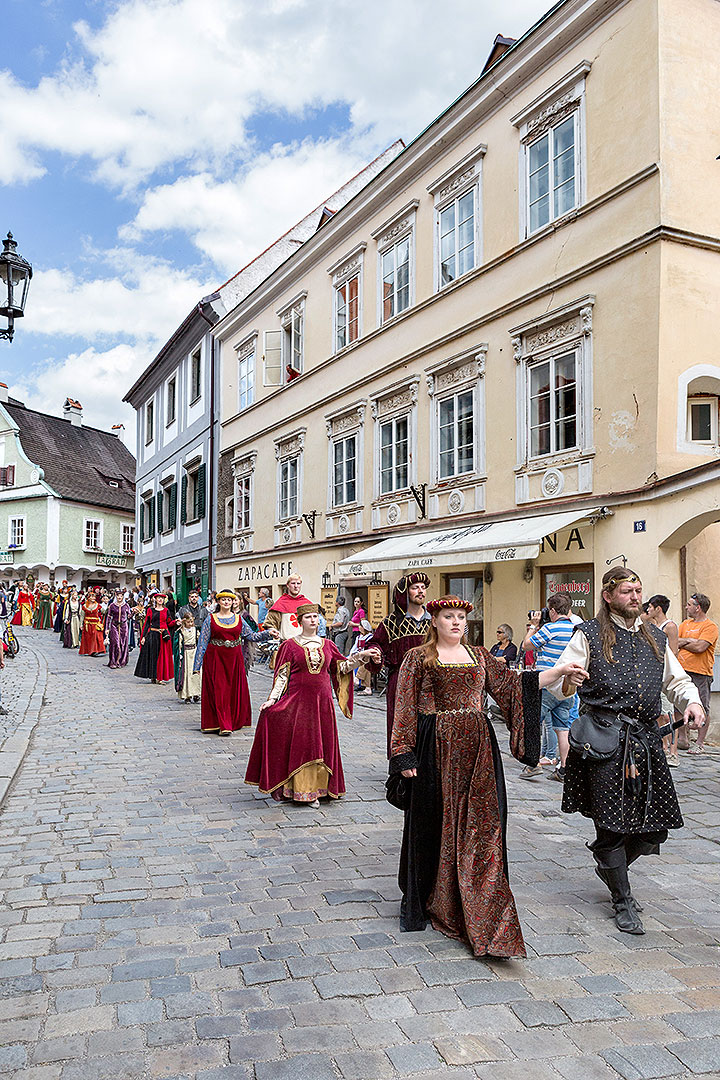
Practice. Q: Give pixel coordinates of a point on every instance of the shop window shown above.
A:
(575, 580)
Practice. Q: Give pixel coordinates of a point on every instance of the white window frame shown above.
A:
(128, 539)
(171, 384)
(289, 447)
(558, 332)
(384, 422)
(243, 504)
(456, 471)
(703, 399)
(285, 510)
(273, 373)
(150, 422)
(246, 358)
(452, 185)
(698, 381)
(292, 326)
(340, 439)
(550, 359)
(195, 355)
(563, 99)
(243, 469)
(342, 272)
(13, 525)
(97, 525)
(401, 226)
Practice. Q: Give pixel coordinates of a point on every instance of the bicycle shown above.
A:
(10, 641)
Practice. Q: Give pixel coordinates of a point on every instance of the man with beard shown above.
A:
(403, 629)
(630, 795)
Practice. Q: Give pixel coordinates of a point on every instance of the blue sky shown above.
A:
(148, 148)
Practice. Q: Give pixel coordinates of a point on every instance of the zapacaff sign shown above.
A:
(268, 571)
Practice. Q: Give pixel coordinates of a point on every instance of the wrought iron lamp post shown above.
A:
(15, 274)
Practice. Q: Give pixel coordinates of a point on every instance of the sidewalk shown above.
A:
(161, 920)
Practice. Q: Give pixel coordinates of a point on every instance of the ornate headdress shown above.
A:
(400, 592)
(452, 602)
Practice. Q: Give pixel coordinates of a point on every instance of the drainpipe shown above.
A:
(211, 317)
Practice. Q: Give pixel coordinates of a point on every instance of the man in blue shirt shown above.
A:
(548, 642)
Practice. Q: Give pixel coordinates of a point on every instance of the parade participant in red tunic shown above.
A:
(156, 659)
(453, 864)
(225, 698)
(283, 614)
(25, 607)
(92, 641)
(296, 753)
(404, 629)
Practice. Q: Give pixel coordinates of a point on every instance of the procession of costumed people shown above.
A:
(445, 766)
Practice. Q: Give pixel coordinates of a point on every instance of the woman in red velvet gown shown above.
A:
(296, 753)
(92, 641)
(156, 659)
(225, 699)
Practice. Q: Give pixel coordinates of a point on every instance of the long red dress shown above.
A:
(225, 701)
(92, 642)
(296, 753)
(453, 864)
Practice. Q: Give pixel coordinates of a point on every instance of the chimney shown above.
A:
(3, 392)
(117, 430)
(72, 411)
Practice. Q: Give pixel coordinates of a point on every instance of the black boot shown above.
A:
(602, 873)
(626, 916)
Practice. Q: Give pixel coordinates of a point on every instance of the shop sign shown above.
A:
(119, 561)
(268, 571)
(378, 600)
(550, 542)
(638, 526)
(7, 558)
(328, 601)
(578, 582)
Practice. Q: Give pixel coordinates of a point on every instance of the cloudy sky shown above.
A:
(150, 148)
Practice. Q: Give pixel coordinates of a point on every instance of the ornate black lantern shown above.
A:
(15, 274)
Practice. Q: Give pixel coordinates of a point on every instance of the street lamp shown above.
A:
(15, 274)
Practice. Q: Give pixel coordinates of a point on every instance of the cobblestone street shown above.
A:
(161, 920)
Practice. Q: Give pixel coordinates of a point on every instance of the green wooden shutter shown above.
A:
(172, 507)
(160, 511)
(200, 488)
(151, 517)
(180, 590)
(183, 499)
(204, 578)
(142, 521)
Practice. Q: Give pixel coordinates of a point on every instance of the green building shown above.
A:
(67, 498)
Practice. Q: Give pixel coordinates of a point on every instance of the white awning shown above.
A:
(496, 541)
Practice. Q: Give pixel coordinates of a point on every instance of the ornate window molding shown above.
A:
(462, 182)
(289, 448)
(392, 237)
(458, 374)
(565, 330)
(342, 273)
(565, 98)
(342, 424)
(395, 402)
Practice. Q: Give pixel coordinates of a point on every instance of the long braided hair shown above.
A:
(608, 636)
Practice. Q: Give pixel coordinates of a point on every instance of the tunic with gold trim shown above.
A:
(296, 752)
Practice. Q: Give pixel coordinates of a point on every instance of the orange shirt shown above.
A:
(699, 663)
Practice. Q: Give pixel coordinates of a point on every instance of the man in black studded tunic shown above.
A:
(630, 797)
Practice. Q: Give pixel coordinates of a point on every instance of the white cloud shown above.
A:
(169, 82)
(97, 379)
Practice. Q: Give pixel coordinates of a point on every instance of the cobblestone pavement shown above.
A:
(161, 920)
(18, 679)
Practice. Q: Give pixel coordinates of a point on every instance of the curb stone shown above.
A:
(14, 748)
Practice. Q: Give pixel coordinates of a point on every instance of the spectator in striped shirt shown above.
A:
(548, 642)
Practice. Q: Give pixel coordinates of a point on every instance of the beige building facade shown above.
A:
(498, 362)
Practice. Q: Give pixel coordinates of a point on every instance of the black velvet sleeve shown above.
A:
(531, 703)
(403, 761)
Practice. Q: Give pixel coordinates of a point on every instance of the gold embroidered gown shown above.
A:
(296, 753)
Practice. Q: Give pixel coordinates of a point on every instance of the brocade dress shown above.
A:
(296, 753)
(92, 641)
(453, 863)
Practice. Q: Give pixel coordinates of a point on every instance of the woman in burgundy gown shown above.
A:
(225, 699)
(156, 660)
(296, 754)
(453, 863)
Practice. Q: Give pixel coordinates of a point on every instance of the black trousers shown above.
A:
(611, 849)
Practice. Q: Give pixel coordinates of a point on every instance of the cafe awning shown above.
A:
(488, 542)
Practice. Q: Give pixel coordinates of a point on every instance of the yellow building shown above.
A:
(499, 361)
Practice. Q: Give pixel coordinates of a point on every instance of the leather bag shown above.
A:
(594, 738)
(397, 791)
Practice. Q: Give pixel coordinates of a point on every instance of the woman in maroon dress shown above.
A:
(453, 864)
(225, 700)
(156, 659)
(296, 754)
(92, 641)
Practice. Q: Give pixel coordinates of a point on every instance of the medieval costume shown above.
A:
(296, 754)
(117, 628)
(395, 636)
(92, 642)
(71, 622)
(283, 616)
(453, 863)
(59, 610)
(155, 660)
(630, 797)
(25, 606)
(188, 683)
(225, 693)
